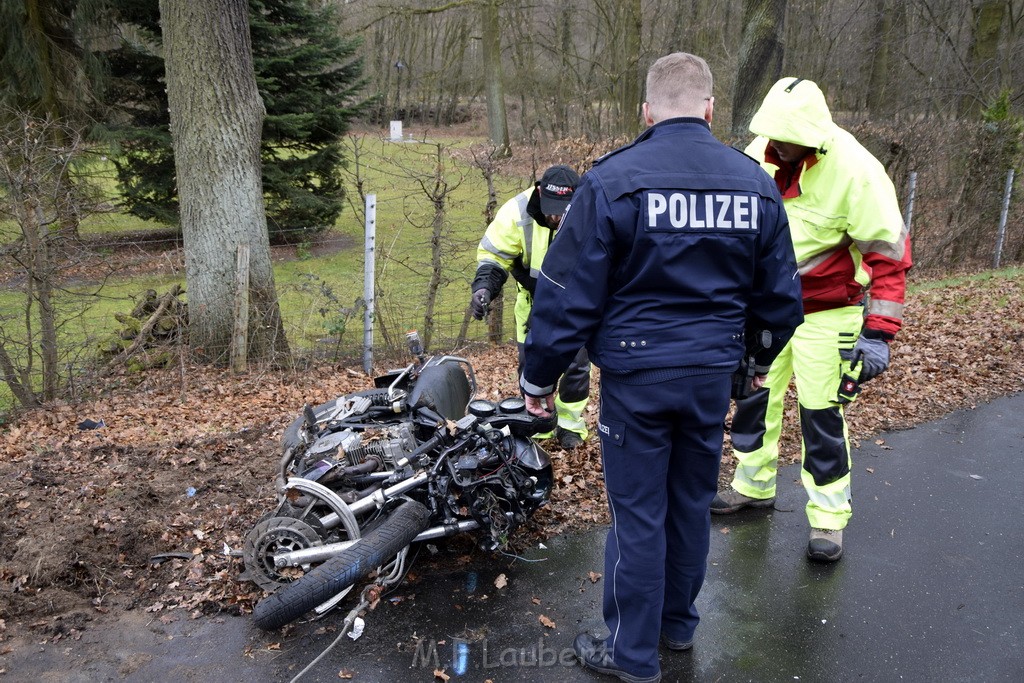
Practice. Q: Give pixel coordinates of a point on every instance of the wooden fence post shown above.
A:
(240, 330)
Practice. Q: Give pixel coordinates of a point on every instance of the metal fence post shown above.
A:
(1002, 218)
(369, 268)
(908, 208)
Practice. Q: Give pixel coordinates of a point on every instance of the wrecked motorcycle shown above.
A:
(367, 474)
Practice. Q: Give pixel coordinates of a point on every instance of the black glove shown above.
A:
(478, 304)
(871, 353)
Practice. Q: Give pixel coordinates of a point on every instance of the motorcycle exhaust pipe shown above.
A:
(321, 553)
(376, 499)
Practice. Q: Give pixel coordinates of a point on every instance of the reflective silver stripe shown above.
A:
(522, 199)
(525, 222)
(894, 250)
(747, 474)
(809, 264)
(882, 248)
(829, 501)
(535, 390)
(488, 245)
(890, 309)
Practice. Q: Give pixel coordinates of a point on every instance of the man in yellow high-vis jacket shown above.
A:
(515, 243)
(852, 251)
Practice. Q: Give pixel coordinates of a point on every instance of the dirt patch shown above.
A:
(145, 513)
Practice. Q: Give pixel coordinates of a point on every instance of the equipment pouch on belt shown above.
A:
(743, 378)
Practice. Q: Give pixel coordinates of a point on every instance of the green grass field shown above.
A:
(319, 284)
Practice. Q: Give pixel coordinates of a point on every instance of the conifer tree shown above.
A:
(309, 78)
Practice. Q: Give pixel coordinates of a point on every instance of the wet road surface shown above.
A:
(931, 588)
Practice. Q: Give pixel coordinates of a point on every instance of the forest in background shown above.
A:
(499, 89)
(930, 86)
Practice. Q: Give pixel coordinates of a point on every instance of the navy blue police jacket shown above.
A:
(673, 249)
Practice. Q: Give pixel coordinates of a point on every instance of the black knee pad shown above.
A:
(748, 426)
(826, 457)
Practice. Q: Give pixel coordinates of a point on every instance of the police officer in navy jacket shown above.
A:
(673, 254)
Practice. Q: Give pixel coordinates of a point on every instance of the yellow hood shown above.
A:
(794, 110)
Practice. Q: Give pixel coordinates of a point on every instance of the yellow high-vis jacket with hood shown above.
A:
(848, 233)
(515, 243)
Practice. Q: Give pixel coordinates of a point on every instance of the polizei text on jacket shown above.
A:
(669, 211)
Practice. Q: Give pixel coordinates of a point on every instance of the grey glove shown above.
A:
(871, 353)
(478, 304)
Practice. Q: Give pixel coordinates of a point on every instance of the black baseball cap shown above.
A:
(557, 186)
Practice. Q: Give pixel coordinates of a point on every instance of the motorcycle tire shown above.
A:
(336, 574)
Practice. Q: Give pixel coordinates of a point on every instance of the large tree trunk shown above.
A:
(987, 23)
(216, 119)
(564, 89)
(889, 31)
(629, 89)
(497, 121)
(760, 62)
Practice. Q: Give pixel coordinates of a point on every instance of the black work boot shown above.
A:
(569, 441)
(593, 654)
(728, 502)
(825, 545)
(677, 645)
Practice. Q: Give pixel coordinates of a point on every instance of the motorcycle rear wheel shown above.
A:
(331, 577)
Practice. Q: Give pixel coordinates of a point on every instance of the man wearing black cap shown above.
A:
(516, 242)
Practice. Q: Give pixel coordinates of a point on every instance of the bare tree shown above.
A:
(888, 32)
(983, 54)
(488, 163)
(626, 72)
(33, 194)
(760, 62)
(497, 121)
(438, 190)
(216, 117)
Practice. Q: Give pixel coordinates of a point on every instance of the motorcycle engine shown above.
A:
(497, 490)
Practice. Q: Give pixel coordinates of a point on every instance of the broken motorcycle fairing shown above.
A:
(367, 474)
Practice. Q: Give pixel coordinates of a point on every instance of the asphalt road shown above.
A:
(931, 588)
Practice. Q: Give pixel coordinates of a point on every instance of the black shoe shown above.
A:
(677, 645)
(728, 502)
(825, 545)
(569, 441)
(593, 654)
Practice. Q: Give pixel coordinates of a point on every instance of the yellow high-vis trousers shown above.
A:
(812, 358)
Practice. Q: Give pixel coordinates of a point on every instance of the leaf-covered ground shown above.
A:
(142, 513)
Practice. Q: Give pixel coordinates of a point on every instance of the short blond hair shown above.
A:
(678, 84)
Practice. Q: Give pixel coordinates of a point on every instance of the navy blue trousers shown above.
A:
(661, 446)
